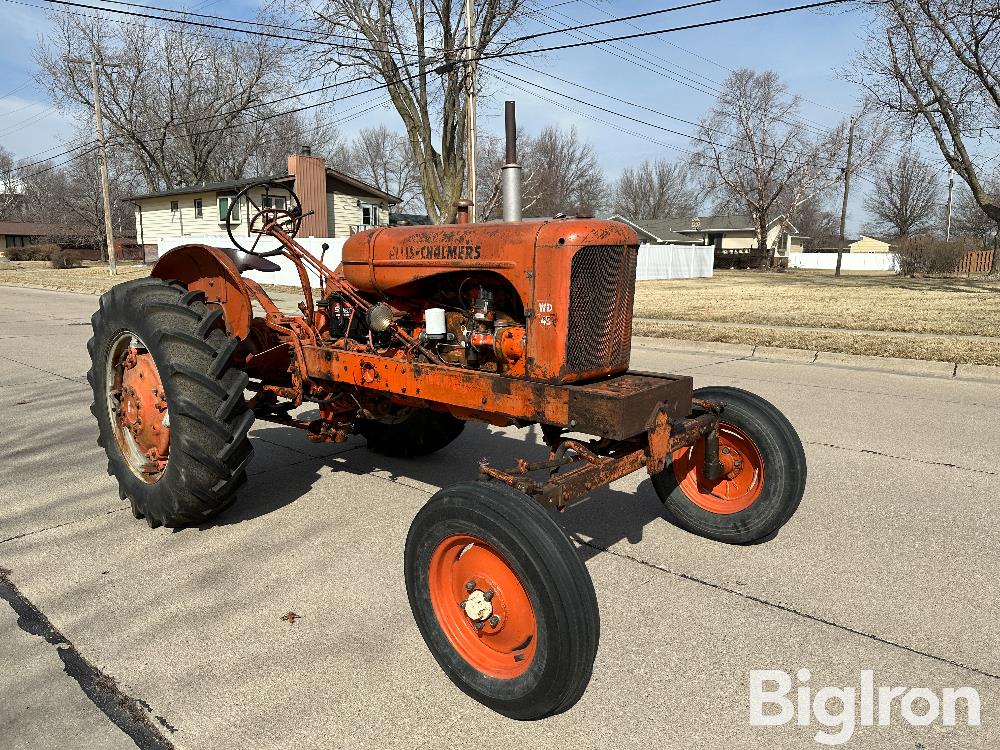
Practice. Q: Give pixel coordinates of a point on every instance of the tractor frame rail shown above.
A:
(599, 462)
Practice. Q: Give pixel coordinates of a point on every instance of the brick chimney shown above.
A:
(310, 186)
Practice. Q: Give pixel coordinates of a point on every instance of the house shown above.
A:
(732, 236)
(21, 233)
(869, 245)
(342, 204)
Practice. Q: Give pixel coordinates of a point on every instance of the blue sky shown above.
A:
(805, 48)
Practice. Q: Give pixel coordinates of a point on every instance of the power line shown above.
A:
(673, 29)
(630, 117)
(199, 24)
(690, 83)
(621, 19)
(249, 22)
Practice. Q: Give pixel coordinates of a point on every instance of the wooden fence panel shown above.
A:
(978, 261)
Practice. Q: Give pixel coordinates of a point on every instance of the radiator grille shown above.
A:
(602, 287)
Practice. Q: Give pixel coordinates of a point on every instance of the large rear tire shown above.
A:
(765, 476)
(502, 599)
(169, 405)
(410, 433)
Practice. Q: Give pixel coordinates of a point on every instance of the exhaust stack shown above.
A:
(511, 171)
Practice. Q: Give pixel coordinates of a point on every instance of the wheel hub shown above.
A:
(742, 478)
(138, 406)
(482, 607)
(477, 607)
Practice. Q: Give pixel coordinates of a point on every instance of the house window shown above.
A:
(173, 207)
(274, 201)
(224, 202)
(369, 214)
(198, 208)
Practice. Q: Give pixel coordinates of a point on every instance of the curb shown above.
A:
(772, 354)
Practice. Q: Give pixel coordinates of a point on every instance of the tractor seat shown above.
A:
(249, 262)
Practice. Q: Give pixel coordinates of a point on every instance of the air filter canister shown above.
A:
(434, 324)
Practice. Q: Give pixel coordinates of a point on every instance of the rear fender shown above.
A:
(208, 269)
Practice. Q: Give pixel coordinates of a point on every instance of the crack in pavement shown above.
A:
(65, 523)
(871, 452)
(81, 379)
(788, 609)
(129, 714)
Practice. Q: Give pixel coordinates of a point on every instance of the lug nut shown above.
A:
(488, 596)
(478, 625)
(470, 585)
(726, 451)
(494, 621)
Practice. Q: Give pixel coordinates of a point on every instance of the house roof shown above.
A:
(864, 237)
(209, 187)
(411, 219)
(364, 186)
(25, 228)
(659, 230)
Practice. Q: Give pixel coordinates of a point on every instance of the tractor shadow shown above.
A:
(603, 518)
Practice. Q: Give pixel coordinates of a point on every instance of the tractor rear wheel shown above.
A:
(764, 480)
(410, 433)
(169, 405)
(502, 599)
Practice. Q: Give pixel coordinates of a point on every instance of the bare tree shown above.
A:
(905, 197)
(11, 198)
(934, 65)
(181, 108)
(656, 190)
(970, 220)
(415, 48)
(68, 198)
(818, 224)
(385, 159)
(567, 177)
(752, 152)
(560, 173)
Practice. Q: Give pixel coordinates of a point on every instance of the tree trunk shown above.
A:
(995, 264)
(762, 247)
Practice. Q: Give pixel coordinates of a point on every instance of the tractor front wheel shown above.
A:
(169, 404)
(502, 599)
(764, 473)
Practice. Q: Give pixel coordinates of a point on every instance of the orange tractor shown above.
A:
(418, 331)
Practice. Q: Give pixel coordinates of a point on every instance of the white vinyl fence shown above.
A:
(654, 262)
(674, 262)
(850, 261)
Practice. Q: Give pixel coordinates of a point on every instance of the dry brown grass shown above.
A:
(940, 348)
(818, 299)
(93, 278)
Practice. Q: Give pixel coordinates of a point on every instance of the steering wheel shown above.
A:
(279, 207)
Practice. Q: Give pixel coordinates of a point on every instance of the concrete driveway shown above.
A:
(118, 635)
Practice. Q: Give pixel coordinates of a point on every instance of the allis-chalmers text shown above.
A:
(436, 252)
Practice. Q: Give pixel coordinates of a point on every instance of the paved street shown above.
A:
(114, 634)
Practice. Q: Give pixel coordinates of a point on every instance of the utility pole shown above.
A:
(847, 194)
(951, 187)
(470, 83)
(102, 157)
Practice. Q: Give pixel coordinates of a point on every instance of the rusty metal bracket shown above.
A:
(591, 469)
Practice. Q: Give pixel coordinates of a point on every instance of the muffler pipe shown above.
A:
(511, 170)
